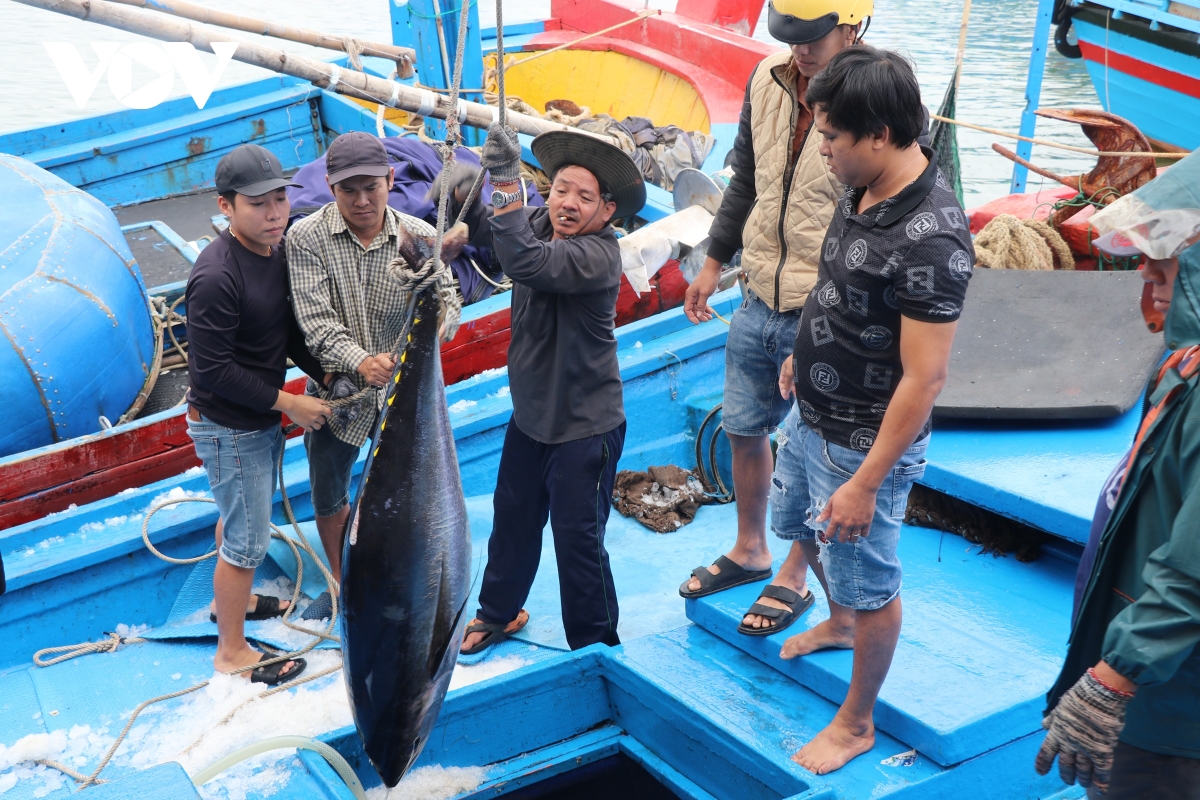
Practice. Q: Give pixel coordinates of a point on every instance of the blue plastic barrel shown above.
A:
(78, 334)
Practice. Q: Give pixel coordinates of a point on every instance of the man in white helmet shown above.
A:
(776, 210)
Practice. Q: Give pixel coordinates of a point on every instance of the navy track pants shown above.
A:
(571, 485)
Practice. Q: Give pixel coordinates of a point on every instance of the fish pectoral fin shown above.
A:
(439, 652)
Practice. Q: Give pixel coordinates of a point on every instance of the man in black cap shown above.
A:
(351, 312)
(568, 425)
(241, 332)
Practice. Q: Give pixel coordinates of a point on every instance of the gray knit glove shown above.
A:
(502, 154)
(1083, 730)
(462, 178)
(340, 388)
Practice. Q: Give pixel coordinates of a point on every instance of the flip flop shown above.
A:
(273, 674)
(781, 618)
(321, 608)
(266, 608)
(731, 575)
(496, 633)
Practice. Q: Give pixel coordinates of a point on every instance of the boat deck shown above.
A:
(706, 711)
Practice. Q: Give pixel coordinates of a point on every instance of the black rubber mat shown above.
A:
(1049, 345)
(169, 389)
(188, 215)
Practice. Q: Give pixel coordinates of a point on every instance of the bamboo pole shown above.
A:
(403, 56)
(321, 74)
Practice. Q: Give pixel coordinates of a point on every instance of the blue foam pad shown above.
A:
(189, 616)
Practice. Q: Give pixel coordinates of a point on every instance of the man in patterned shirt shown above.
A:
(871, 355)
(351, 312)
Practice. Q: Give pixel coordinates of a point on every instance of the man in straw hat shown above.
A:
(1124, 714)
(779, 204)
(568, 424)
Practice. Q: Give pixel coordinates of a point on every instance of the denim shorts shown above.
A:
(330, 461)
(760, 340)
(242, 469)
(863, 574)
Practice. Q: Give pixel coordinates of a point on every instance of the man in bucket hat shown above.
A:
(1124, 715)
(568, 425)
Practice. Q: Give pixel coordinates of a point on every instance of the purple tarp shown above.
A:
(416, 165)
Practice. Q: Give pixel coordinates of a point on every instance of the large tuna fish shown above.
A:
(406, 562)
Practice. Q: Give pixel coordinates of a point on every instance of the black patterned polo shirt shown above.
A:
(910, 255)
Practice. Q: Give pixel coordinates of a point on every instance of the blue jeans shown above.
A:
(242, 469)
(863, 574)
(760, 340)
(330, 462)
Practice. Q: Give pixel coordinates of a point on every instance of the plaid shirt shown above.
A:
(346, 303)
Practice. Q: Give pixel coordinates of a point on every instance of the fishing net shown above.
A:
(944, 138)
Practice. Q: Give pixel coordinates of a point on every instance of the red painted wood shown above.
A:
(739, 16)
(98, 485)
(682, 46)
(1167, 79)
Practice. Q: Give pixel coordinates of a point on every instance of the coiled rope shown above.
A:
(1007, 242)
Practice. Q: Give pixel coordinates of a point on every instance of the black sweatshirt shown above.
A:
(241, 331)
(562, 360)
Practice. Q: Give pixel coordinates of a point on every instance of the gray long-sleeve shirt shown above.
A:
(562, 360)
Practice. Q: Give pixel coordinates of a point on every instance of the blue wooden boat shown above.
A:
(685, 707)
(1143, 60)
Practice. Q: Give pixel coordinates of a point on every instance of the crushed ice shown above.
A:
(432, 783)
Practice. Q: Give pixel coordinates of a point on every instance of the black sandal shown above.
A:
(731, 575)
(273, 674)
(267, 607)
(496, 632)
(780, 618)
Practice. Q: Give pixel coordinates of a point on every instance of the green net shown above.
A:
(944, 139)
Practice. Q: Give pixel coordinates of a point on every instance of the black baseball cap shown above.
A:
(356, 153)
(250, 170)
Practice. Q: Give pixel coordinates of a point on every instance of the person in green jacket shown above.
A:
(1124, 715)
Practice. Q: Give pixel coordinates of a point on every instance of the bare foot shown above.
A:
(228, 663)
(833, 747)
(251, 606)
(755, 621)
(746, 562)
(822, 636)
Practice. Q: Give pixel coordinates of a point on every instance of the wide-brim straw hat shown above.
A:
(612, 166)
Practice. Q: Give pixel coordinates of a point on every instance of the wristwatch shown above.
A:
(501, 199)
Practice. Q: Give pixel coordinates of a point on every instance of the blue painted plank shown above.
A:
(982, 641)
(1033, 90)
(117, 122)
(168, 128)
(1046, 475)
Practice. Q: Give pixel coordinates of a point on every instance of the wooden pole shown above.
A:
(962, 44)
(319, 73)
(403, 56)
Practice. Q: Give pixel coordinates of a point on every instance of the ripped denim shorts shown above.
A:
(863, 574)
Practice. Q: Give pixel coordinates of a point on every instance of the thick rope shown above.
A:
(1024, 244)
